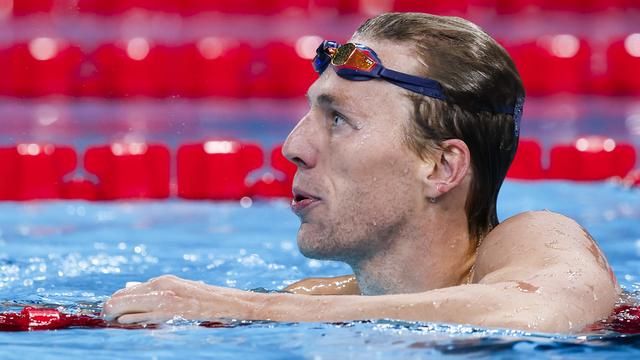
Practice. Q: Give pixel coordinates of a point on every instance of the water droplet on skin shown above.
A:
(527, 288)
(573, 274)
(552, 244)
(561, 233)
(548, 261)
(436, 304)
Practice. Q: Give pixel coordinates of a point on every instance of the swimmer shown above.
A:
(411, 128)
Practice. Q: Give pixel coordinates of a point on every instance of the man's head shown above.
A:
(384, 161)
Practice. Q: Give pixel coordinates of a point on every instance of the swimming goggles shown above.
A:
(357, 62)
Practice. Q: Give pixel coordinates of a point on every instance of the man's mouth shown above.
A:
(303, 201)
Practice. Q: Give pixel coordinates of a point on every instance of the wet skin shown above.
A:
(362, 197)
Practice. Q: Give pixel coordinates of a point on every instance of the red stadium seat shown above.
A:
(212, 67)
(44, 66)
(572, 6)
(34, 171)
(510, 6)
(169, 6)
(192, 7)
(581, 6)
(270, 7)
(335, 6)
(283, 70)
(134, 68)
(112, 7)
(28, 7)
(80, 189)
(217, 169)
(262, 7)
(278, 185)
(97, 6)
(591, 158)
(130, 170)
(554, 64)
(623, 62)
(440, 7)
(527, 164)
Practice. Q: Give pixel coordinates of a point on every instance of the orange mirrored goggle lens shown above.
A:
(349, 55)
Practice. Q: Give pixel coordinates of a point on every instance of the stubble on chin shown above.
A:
(329, 244)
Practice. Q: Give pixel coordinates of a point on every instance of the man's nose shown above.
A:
(299, 148)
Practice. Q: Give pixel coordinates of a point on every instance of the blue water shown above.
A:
(75, 254)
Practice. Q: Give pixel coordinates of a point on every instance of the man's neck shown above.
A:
(420, 257)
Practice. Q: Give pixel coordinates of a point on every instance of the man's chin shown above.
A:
(314, 246)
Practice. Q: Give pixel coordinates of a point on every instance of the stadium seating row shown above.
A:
(211, 67)
(588, 159)
(230, 68)
(565, 63)
(220, 169)
(214, 170)
(272, 7)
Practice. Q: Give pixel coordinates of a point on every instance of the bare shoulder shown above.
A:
(541, 242)
(533, 229)
(532, 223)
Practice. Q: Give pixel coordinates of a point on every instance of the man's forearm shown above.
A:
(476, 304)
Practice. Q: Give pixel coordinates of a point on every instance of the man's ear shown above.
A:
(449, 168)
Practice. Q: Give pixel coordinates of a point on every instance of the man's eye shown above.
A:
(337, 120)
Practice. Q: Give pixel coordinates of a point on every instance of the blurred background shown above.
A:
(123, 74)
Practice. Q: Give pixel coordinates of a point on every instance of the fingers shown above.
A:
(137, 303)
(153, 317)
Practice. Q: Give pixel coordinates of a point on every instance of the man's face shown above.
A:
(357, 186)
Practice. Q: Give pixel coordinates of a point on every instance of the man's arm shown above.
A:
(537, 271)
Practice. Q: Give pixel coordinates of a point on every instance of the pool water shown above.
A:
(73, 255)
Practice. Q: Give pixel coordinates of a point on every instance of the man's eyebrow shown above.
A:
(324, 99)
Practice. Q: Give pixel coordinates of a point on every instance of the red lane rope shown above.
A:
(31, 318)
(625, 319)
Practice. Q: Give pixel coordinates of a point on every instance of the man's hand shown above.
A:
(165, 297)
